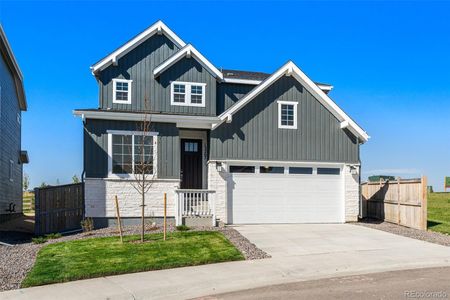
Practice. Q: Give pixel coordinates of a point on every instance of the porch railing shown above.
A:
(196, 203)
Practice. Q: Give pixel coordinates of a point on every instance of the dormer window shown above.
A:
(122, 91)
(287, 114)
(188, 93)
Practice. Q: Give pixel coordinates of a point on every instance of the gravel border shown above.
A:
(17, 260)
(428, 236)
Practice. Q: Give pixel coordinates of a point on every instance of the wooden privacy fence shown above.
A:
(59, 208)
(403, 201)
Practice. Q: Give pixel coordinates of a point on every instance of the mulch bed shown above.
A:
(17, 260)
(428, 236)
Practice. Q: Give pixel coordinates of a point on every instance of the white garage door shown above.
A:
(279, 196)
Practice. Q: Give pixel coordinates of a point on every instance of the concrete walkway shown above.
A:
(299, 253)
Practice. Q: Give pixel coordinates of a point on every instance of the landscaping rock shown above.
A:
(428, 236)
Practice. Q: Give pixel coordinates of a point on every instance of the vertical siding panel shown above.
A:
(318, 137)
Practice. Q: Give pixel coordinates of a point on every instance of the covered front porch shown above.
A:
(194, 202)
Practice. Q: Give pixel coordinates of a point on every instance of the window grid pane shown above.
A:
(122, 154)
(143, 154)
(287, 115)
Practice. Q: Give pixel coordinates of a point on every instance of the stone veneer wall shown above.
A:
(99, 198)
(218, 181)
(351, 190)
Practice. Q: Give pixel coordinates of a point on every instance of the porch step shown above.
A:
(193, 221)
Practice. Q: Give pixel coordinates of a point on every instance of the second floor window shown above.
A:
(188, 93)
(122, 91)
(287, 114)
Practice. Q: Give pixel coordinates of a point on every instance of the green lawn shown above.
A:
(95, 257)
(439, 212)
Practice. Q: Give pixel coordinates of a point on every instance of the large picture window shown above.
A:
(188, 93)
(132, 153)
(287, 114)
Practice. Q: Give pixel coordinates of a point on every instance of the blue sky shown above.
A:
(389, 63)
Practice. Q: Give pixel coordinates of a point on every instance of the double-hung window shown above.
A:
(287, 114)
(188, 93)
(122, 91)
(132, 153)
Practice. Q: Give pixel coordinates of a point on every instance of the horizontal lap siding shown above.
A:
(96, 147)
(138, 65)
(10, 142)
(254, 134)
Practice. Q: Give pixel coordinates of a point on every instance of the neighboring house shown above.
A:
(236, 146)
(12, 103)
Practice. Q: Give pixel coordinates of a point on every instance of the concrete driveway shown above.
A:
(299, 253)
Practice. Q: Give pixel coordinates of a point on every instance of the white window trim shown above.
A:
(133, 134)
(295, 114)
(187, 93)
(115, 81)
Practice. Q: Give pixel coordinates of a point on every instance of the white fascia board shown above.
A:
(253, 93)
(323, 87)
(149, 32)
(344, 124)
(242, 81)
(280, 163)
(203, 122)
(188, 51)
(328, 103)
(292, 70)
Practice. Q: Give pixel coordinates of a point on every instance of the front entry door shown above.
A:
(191, 164)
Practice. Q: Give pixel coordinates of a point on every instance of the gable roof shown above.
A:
(157, 28)
(187, 51)
(11, 62)
(290, 69)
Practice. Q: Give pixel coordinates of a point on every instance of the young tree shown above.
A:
(43, 185)
(143, 162)
(75, 179)
(25, 182)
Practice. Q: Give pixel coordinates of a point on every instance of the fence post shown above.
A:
(37, 219)
(398, 200)
(424, 204)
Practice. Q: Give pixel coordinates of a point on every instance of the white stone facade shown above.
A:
(100, 193)
(351, 196)
(218, 181)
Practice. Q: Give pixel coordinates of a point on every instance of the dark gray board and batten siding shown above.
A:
(10, 141)
(254, 134)
(229, 93)
(96, 147)
(138, 65)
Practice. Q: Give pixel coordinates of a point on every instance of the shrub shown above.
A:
(183, 228)
(53, 236)
(87, 224)
(39, 240)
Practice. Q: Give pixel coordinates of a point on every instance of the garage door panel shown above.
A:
(282, 198)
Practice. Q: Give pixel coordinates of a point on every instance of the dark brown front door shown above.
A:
(191, 164)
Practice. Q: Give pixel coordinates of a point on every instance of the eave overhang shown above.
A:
(181, 121)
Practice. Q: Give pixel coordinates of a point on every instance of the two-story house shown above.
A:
(232, 146)
(12, 158)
